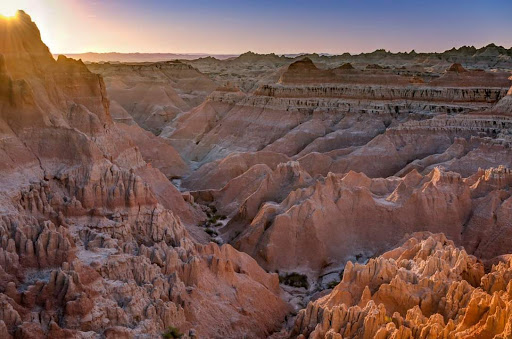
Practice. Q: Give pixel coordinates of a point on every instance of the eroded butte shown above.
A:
(349, 196)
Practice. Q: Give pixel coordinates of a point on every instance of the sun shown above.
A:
(9, 8)
(40, 12)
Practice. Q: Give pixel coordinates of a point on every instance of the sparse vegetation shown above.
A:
(172, 332)
(211, 232)
(294, 279)
(213, 218)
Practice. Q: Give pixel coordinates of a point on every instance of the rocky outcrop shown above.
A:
(457, 68)
(418, 93)
(215, 175)
(309, 101)
(330, 218)
(427, 287)
(153, 94)
(334, 212)
(304, 72)
(504, 106)
(93, 239)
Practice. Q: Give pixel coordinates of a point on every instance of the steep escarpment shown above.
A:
(304, 71)
(153, 93)
(94, 241)
(427, 287)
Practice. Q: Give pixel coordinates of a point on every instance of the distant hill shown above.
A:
(142, 57)
(490, 50)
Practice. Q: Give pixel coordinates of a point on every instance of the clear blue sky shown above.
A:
(286, 26)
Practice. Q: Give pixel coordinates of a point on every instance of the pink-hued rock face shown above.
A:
(329, 165)
(153, 94)
(93, 238)
(287, 171)
(331, 219)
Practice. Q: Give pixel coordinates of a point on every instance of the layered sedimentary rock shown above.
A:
(309, 103)
(505, 104)
(307, 165)
(305, 72)
(153, 93)
(219, 173)
(331, 219)
(435, 157)
(93, 239)
(426, 288)
(249, 71)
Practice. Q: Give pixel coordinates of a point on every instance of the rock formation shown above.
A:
(93, 239)
(155, 93)
(288, 171)
(327, 217)
(309, 103)
(426, 288)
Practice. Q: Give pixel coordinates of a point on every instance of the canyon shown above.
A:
(254, 196)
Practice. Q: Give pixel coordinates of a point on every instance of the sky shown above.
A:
(264, 26)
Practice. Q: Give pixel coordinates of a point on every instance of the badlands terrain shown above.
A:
(254, 196)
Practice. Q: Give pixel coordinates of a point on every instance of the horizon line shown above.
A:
(287, 53)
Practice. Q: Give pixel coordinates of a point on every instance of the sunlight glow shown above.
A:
(8, 9)
(39, 10)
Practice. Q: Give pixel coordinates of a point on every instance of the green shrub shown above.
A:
(211, 232)
(171, 333)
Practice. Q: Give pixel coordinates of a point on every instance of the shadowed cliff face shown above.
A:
(93, 239)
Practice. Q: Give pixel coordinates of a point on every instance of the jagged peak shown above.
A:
(21, 44)
(356, 179)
